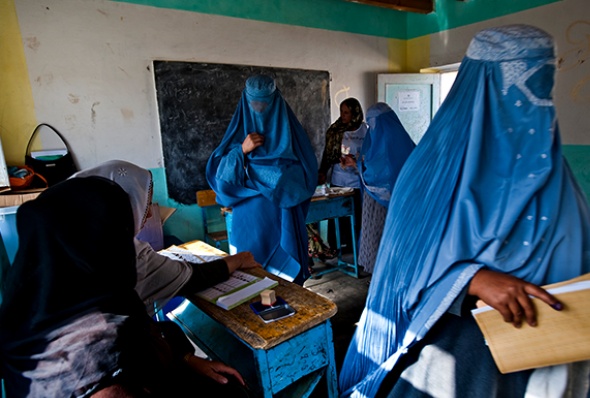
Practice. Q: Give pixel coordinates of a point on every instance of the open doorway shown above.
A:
(447, 73)
(416, 97)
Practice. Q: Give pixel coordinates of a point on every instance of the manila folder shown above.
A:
(559, 337)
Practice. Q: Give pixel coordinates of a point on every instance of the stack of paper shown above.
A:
(239, 288)
(232, 300)
(559, 337)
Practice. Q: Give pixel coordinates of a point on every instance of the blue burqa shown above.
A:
(269, 189)
(385, 149)
(487, 186)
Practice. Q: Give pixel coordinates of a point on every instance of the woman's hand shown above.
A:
(213, 369)
(252, 141)
(242, 260)
(510, 296)
(347, 161)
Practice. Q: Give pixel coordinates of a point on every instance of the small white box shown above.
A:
(268, 297)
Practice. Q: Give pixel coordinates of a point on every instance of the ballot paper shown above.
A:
(178, 253)
(239, 288)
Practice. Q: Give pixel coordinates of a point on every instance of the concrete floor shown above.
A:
(349, 294)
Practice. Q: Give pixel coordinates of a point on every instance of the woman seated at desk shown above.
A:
(71, 322)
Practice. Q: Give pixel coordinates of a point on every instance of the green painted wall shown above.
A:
(578, 157)
(185, 223)
(450, 14)
(345, 16)
(337, 15)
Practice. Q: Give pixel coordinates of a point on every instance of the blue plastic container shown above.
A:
(8, 230)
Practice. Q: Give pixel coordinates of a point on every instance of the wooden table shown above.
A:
(285, 358)
(334, 207)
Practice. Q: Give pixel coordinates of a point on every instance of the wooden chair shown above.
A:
(213, 227)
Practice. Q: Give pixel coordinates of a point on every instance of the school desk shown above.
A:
(336, 206)
(323, 208)
(285, 358)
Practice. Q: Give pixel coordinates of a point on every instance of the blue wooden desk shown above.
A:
(335, 207)
(286, 358)
(322, 209)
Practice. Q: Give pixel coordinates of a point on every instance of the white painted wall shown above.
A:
(90, 66)
(568, 21)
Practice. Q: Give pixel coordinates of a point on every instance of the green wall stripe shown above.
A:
(346, 16)
(336, 15)
(450, 14)
(578, 157)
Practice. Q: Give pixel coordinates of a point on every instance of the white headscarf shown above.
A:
(158, 278)
(135, 180)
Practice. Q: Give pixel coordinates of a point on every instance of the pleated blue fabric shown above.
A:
(269, 189)
(487, 186)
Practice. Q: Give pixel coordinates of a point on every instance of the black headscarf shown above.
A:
(76, 256)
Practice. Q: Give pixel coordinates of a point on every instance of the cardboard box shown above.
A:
(12, 198)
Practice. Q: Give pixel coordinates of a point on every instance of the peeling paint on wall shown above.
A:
(578, 35)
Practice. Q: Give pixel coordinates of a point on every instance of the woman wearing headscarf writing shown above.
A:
(266, 171)
(385, 149)
(487, 208)
(159, 278)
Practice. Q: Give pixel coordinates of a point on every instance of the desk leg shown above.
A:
(343, 266)
(331, 374)
(351, 268)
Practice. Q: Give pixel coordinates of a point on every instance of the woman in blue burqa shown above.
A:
(487, 208)
(265, 169)
(385, 149)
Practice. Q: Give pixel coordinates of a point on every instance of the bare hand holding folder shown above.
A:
(559, 337)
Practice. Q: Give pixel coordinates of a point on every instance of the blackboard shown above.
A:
(196, 102)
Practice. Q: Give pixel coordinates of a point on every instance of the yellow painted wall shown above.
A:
(397, 57)
(418, 54)
(17, 108)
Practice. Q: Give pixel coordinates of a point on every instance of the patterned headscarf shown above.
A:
(333, 148)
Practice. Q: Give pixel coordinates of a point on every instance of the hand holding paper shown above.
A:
(559, 337)
(510, 295)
